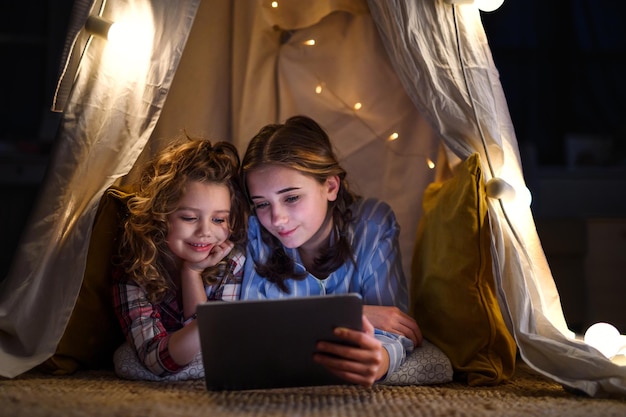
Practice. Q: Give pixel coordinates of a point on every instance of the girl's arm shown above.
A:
(184, 344)
(383, 285)
(144, 329)
(394, 320)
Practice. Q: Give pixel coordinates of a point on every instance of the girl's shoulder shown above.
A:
(372, 210)
(371, 220)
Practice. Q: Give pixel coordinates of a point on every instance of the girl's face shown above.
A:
(293, 206)
(200, 222)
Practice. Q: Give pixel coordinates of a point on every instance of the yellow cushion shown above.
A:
(93, 333)
(453, 296)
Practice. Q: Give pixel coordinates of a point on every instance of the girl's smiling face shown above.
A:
(292, 206)
(200, 222)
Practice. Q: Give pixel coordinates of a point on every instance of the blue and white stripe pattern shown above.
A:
(376, 274)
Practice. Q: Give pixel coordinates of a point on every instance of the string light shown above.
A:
(274, 4)
(483, 5)
(605, 338)
(322, 87)
(489, 5)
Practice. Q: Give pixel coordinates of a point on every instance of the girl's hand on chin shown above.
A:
(215, 255)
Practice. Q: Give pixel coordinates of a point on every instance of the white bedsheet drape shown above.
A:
(461, 101)
(108, 119)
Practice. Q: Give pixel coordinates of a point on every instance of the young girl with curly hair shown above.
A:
(181, 246)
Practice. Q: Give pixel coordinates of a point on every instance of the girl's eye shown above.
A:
(292, 198)
(259, 206)
(188, 218)
(219, 220)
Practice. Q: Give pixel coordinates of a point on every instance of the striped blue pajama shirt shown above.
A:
(376, 274)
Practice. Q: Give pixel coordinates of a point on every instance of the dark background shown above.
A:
(562, 67)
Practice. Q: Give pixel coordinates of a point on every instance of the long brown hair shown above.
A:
(301, 144)
(144, 253)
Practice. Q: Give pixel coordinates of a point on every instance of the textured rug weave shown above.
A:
(101, 393)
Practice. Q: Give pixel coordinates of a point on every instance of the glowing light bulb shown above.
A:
(604, 337)
(274, 4)
(430, 163)
(393, 136)
(309, 42)
(318, 89)
(488, 5)
(357, 106)
(498, 188)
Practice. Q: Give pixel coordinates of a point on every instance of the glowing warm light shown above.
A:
(274, 4)
(604, 337)
(126, 56)
(498, 188)
(524, 196)
(121, 33)
(483, 5)
(309, 42)
(98, 26)
(488, 5)
(130, 41)
(322, 86)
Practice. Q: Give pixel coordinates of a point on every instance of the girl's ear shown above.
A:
(332, 187)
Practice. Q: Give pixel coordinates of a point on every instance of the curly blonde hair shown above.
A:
(144, 253)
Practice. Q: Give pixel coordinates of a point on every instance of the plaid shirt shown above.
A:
(148, 326)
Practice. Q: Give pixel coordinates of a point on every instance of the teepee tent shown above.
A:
(417, 71)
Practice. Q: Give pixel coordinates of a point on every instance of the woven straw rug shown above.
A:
(100, 393)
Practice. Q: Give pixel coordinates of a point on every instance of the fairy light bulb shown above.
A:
(393, 136)
(318, 89)
(430, 163)
(309, 42)
(498, 188)
(357, 106)
(482, 5)
(274, 4)
(488, 5)
(604, 337)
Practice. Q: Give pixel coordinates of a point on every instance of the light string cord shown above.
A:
(351, 109)
(482, 136)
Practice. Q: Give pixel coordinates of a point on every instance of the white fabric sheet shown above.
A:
(108, 119)
(423, 39)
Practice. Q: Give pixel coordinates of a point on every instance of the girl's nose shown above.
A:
(279, 215)
(205, 227)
